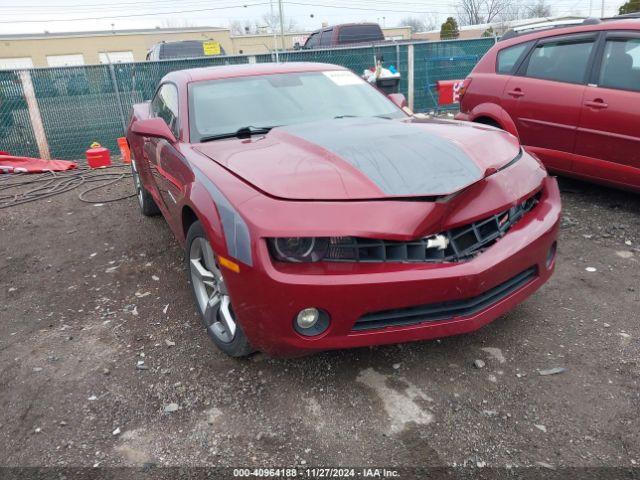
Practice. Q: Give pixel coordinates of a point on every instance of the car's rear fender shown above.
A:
(494, 113)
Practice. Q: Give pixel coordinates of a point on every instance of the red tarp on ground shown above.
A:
(11, 164)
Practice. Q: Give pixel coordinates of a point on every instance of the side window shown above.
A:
(327, 35)
(562, 61)
(621, 64)
(508, 58)
(312, 41)
(165, 106)
(360, 33)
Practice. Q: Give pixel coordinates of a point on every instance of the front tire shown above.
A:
(148, 205)
(211, 295)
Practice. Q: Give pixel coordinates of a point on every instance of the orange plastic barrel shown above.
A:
(98, 156)
(125, 153)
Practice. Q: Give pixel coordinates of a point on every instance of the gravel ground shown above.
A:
(99, 340)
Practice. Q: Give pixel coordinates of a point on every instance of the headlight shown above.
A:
(315, 249)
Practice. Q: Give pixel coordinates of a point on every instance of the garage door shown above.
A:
(65, 60)
(15, 63)
(116, 57)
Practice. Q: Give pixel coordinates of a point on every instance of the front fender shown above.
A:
(228, 232)
(201, 203)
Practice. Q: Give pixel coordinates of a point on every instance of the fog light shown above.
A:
(307, 318)
(311, 321)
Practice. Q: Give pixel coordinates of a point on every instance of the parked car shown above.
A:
(316, 214)
(345, 34)
(570, 94)
(185, 49)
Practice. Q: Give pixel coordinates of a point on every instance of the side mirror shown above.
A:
(296, 46)
(398, 100)
(153, 127)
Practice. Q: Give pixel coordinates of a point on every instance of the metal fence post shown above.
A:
(112, 71)
(410, 70)
(34, 114)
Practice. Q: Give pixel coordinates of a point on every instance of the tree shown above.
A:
(632, 6)
(476, 12)
(489, 32)
(449, 29)
(241, 28)
(177, 23)
(266, 24)
(416, 24)
(271, 23)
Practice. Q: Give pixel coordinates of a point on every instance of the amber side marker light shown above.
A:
(225, 262)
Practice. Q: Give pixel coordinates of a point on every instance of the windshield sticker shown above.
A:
(343, 78)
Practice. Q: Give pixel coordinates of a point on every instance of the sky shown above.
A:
(33, 16)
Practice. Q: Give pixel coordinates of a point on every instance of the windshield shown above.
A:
(219, 107)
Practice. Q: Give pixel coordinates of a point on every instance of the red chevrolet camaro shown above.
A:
(317, 214)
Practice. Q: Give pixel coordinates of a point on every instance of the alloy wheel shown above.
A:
(211, 293)
(137, 183)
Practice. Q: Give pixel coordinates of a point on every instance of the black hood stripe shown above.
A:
(400, 158)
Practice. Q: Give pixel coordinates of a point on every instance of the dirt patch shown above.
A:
(91, 298)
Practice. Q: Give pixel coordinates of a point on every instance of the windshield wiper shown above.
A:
(357, 116)
(244, 132)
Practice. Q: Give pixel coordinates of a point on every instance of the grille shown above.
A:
(436, 312)
(462, 242)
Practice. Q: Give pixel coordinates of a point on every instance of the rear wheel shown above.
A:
(147, 204)
(211, 296)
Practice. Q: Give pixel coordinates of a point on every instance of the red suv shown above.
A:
(571, 95)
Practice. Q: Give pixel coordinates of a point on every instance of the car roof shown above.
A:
(246, 70)
(620, 24)
(342, 25)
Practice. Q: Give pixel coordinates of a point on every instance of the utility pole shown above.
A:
(282, 22)
(602, 10)
(273, 31)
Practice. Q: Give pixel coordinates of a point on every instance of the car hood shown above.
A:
(365, 158)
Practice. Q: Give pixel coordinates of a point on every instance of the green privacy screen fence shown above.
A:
(59, 112)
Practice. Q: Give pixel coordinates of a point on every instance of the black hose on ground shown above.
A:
(21, 188)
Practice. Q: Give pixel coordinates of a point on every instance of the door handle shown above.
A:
(598, 103)
(516, 92)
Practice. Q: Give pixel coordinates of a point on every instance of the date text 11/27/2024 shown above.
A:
(316, 472)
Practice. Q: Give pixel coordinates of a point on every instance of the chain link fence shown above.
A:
(59, 112)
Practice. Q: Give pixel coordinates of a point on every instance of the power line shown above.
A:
(362, 8)
(108, 17)
(101, 5)
(357, 5)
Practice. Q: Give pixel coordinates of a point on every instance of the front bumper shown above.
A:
(266, 299)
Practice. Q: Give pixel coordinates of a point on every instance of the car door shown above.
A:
(608, 138)
(326, 40)
(164, 158)
(312, 41)
(545, 96)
